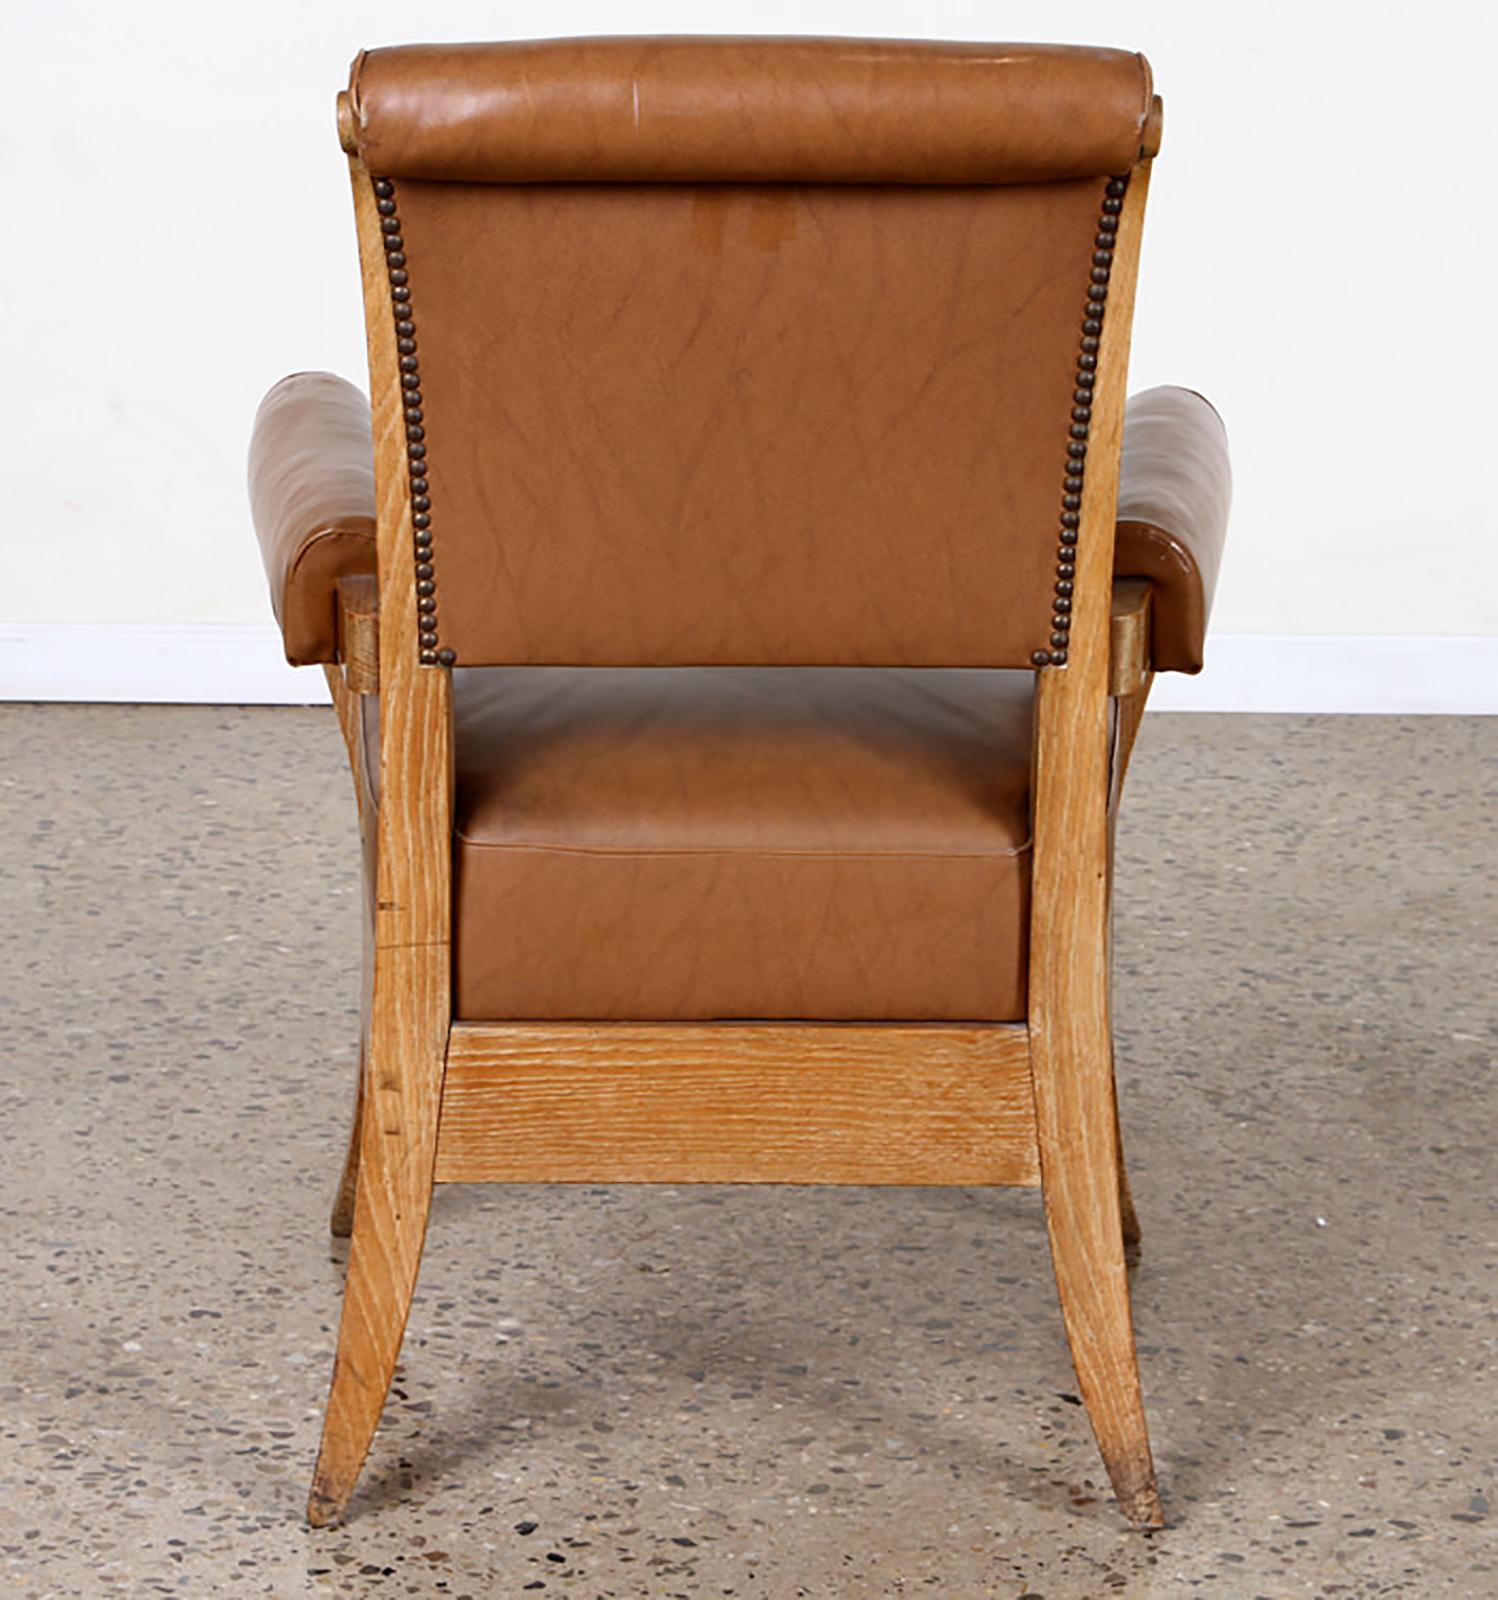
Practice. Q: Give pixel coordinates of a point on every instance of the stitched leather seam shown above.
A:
(322, 535)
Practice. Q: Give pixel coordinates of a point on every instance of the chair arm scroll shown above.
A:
(1175, 487)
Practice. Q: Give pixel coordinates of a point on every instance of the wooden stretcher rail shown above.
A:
(627, 1102)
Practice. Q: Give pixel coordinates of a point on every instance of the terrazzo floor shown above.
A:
(749, 1392)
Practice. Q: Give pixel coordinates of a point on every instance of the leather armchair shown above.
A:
(795, 367)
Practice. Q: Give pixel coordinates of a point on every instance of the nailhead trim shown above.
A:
(1053, 654)
(418, 466)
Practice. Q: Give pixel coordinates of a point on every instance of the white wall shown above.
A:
(1319, 260)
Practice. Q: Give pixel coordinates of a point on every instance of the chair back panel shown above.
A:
(696, 422)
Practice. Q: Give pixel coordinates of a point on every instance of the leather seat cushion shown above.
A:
(741, 842)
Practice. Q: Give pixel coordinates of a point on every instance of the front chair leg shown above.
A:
(1071, 1061)
(398, 1143)
(1081, 1178)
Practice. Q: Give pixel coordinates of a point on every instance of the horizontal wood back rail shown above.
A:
(631, 1102)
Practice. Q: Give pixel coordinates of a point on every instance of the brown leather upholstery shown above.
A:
(740, 842)
(1175, 489)
(769, 452)
(312, 489)
(312, 497)
(748, 110)
(747, 425)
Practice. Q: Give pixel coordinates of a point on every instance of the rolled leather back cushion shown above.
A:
(748, 351)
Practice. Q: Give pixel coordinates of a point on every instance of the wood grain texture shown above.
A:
(341, 1222)
(1130, 678)
(737, 1103)
(1070, 1027)
(346, 708)
(351, 724)
(359, 632)
(348, 137)
(411, 1001)
(1129, 636)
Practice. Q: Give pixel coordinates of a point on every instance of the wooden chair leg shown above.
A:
(1071, 1061)
(410, 1015)
(342, 1221)
(1129, 713)
(398, 1146)
(1081, 1177)
(351, 723)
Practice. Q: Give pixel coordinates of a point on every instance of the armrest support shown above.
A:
(359, 632)
(1175, 487)
(1129, 666)
(312, 497)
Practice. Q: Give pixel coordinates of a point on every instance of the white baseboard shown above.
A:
(241, 664)
(1354, 673)
(176, 663)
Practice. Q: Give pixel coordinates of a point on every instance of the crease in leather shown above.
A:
(783, 171)
(1183, 595)
(807, 425)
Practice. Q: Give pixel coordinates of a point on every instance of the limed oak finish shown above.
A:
(769, 1103)
(631, 1102)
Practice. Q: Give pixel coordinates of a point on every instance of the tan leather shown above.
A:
(312, 490)
(740, 425)
(745, 842)
(749, 110)
(1175, 490)
(746, 372)
(312, 497)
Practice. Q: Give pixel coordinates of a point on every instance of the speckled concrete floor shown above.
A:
(740, 1392)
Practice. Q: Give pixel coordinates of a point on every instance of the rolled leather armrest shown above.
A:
(1174, 490)
(312, 497)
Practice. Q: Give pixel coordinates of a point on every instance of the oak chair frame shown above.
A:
(1028, 1104)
